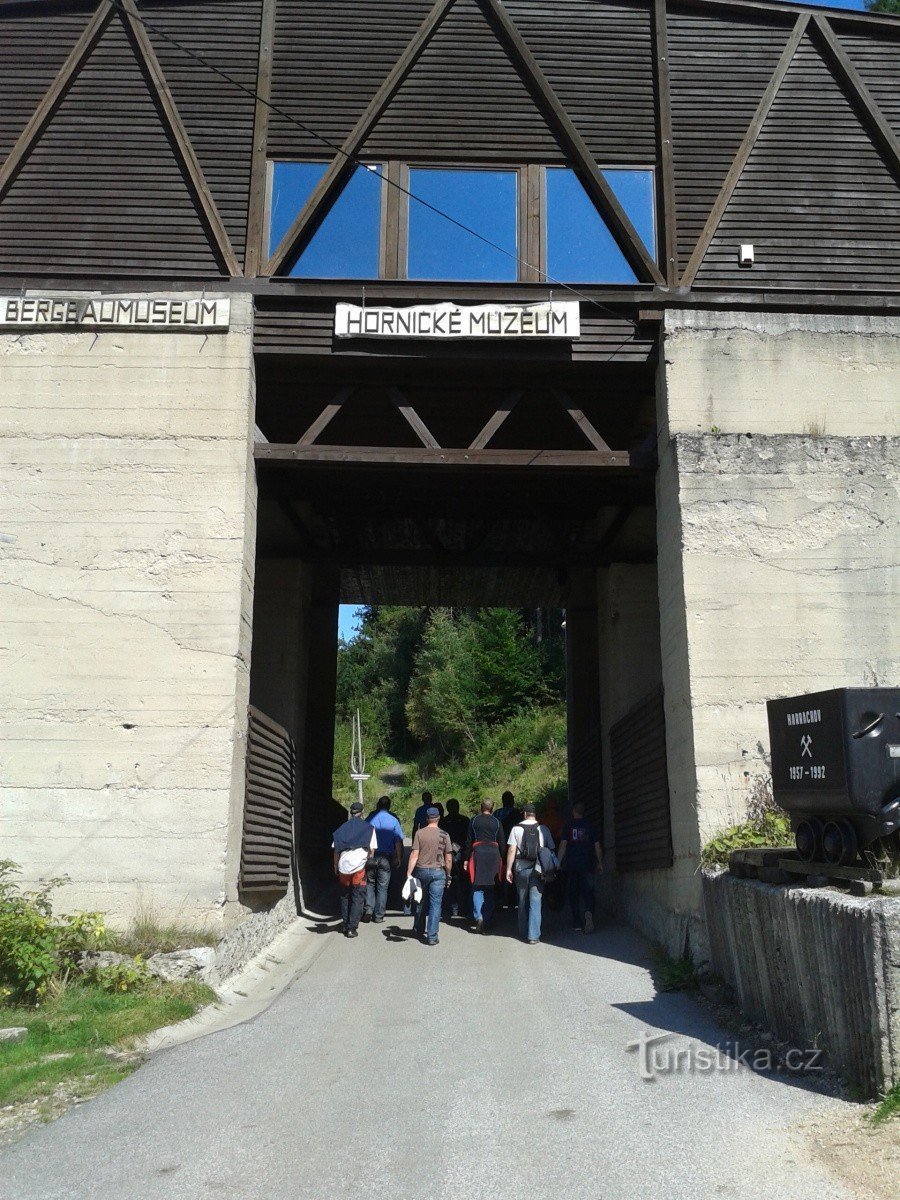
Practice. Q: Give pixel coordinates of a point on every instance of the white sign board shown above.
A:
(114, 312)
(559, 319)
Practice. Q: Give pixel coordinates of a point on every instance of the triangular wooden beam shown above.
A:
(343, 164)
(573, 145)
(57, 92)
(744, 150)
(196, 180)
(879, 130)
(326, 416)
(494, 423)
(581, 420)
(412, 418)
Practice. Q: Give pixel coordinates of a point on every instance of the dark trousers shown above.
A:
(378, 879)
(580, 888)
(352, 901)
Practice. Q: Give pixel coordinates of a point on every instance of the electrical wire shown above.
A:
(357, 162)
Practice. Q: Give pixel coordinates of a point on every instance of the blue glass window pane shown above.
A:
(484, 201)
(580, 248)
(346, 244)
(634, 191)
(292, 186)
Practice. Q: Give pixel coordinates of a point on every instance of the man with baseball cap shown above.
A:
(525, 842)
(432, 862)
(353, 845)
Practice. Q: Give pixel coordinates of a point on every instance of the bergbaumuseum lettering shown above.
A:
(114, 312)
(546, 320)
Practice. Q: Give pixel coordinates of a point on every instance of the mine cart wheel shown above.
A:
(839, 843)
(809, 839)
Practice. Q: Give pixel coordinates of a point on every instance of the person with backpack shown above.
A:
(353, 844)
(483, 863)
(580, 857)
(530, 863)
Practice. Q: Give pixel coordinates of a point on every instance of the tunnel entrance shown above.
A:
(521, 485)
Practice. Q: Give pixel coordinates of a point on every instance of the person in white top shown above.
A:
(525, 840)
(353, 845)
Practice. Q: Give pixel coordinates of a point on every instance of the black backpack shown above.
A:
(531, 843)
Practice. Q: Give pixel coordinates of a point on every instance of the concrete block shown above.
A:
(816, 968)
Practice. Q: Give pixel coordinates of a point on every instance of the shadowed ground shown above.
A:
(483, 1068)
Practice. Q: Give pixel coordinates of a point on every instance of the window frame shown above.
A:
(531, 210)
(518, 169)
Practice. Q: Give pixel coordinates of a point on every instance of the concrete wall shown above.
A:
(817, 968)
(128, 488)
(778, 538)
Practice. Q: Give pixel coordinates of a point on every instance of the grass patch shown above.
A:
(767, 829)
(80, 1023)
(676, 974)
(889, 1107)
(146, 936)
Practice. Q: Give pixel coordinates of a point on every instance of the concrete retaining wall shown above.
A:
(127, 495)
(777, 496)
(816, 967)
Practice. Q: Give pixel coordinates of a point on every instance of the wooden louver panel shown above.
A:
(640, 784)
(268, 835)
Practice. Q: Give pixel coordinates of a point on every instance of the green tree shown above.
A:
(506, 665)
(884, 6)
(441, 702)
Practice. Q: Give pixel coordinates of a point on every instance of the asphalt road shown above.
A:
(482, 1068)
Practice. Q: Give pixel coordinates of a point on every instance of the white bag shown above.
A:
(412, 890)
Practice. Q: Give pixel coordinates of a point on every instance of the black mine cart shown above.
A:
(836, 769)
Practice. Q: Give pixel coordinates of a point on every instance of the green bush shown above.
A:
(771, 828)
(120, 977)
(35, 945)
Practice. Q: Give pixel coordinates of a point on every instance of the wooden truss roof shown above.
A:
(134, 136)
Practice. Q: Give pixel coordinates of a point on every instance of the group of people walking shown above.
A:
(456, 863)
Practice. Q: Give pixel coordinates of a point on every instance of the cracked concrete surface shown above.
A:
(128, 486)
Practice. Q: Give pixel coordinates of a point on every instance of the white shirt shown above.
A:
(515, 837)
(352, 861)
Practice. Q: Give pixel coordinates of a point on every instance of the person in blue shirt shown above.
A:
(389, 833)
(420, 820)
(581, 858)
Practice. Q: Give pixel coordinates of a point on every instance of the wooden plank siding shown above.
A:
(837, 204)
(464, 101)
(308, 329)
(32, 53)
(598, 60)
(329, 61)
(719, 68)
(101, 193)
(878, 62)
(218, 118)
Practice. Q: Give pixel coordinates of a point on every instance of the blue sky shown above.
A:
(348, 622)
